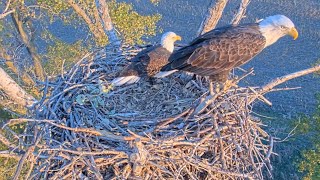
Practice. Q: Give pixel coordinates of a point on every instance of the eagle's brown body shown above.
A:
(147, 62)
(217, 52)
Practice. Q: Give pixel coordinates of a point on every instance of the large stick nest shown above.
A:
(163, 129)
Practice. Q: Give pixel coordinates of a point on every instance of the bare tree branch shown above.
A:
(288, 77)
(5, 141)
(6, 12)
(107, 22)
(14, 91)
(95, 31)
(97, 20)
(241, 12)
(8, 154)
(7, 6)
(30, 47)
(213, 16)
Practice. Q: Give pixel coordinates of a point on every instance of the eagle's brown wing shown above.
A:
(218, 51)
(147, 63)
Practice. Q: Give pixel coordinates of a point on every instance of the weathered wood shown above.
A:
(107, 22)
(14, 91)
(213, 16)
(241, 12)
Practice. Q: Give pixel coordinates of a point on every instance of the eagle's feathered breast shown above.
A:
(218, 51)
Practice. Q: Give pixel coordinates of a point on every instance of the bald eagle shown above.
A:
(217, 52)
(148, 62)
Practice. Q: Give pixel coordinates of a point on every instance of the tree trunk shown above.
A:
(213, 16)
(14, 91)
(107, 22)
(30, 47)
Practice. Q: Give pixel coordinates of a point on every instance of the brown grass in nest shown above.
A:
(172, 129)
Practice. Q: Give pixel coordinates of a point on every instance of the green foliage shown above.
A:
(62, 54)
(54, 6)
(4, 115)
(155, 2)
(132, 26)
(1, 26)
(310, 165)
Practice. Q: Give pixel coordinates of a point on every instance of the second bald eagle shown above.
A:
(148, 62)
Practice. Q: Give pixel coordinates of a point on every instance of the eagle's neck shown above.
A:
(168, 44)
(270, 32)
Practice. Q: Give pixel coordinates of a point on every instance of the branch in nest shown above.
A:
(7, 154)
(84, 130)
(5, 141)
(82, 153)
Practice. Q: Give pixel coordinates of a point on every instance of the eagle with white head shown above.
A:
(217, 52)
(148, 62)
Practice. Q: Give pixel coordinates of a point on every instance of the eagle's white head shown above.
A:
(168, 39)
(275, 27)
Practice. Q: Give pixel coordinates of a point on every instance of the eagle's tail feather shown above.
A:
(162, 74)
(125, 80)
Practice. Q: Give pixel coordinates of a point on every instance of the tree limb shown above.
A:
(7, 6)
(214, 14)
(30, 47)
(14, 91)
(6, 12)
(8, 154)
(107, 22)
(97, 20)
(288, 77)
(95, 31)
(5, 141)
(241, 12)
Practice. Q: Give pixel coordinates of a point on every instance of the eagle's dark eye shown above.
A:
(283, 27)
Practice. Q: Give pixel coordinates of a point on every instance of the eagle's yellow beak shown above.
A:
(177, 38)
(294, 33)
